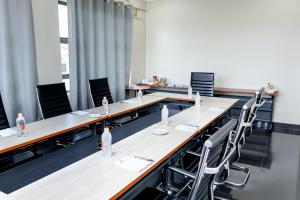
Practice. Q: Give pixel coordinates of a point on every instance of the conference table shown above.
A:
(96, 177)
(4, 196)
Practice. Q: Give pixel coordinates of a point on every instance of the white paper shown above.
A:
(80, 113)
(133, 164)
(7, 132)
(130, 101)
(95, 115)
(217, 109)
(186, 128)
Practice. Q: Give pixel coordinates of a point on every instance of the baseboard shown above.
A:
(286, 128)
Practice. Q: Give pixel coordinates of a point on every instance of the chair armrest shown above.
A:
(193, 153)
(182, 171)
(249, 124)
(261, 103)
(216, 170)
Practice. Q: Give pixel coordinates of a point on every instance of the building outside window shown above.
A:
(64, 46)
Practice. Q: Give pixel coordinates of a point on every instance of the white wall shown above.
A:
(247, 43)
(138, 69)
(45, 16)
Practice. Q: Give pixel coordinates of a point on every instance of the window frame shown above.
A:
(64, 40)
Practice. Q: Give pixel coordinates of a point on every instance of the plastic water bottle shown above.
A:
(21, 125)
(198, 100)
(140, 95)
(105, 105)
(106, 143)
(190, 91)
(164, 115)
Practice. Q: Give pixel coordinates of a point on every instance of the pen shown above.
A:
(142, 158)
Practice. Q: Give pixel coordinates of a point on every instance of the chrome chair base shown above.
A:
(241, 185)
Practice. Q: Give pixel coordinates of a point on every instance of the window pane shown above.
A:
(63, 20)
(64, 50)
(67, 83)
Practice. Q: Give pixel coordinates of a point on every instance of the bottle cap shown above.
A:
(165, 106)
(198, 93)
(104, 97)
(20, 115)
(106, 129)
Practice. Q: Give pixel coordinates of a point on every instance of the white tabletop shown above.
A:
(41, 130)
(4, 196)
(94, 177)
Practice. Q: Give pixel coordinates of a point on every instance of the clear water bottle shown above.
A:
(164, 115)
(190, 91)
(21, 125)
(140, 95)
(105, 105)
(106, 139)
(198, 100)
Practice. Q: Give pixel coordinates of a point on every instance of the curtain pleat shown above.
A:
(100, 34)
(18, 70)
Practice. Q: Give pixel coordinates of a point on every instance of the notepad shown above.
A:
(80, 113)
(217, 109)
(95, 115)
(130, 101)
(186, 128)
(7, 132)
(133, 164)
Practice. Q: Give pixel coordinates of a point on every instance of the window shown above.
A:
(64, 45)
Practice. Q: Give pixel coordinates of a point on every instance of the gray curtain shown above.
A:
(18, 72)
(100, 43)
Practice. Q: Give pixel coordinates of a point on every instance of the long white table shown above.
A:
(4, 196)
(96, 178)
(44, 129)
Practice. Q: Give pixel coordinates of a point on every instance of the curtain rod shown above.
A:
(127, 3)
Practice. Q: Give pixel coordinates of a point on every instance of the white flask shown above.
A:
(105, 105)
(197, 100)
(140, 95)
(21, 125)
(106, 139)
(190, 91)
(165, 115)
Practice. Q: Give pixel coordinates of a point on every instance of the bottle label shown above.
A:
(22, 125)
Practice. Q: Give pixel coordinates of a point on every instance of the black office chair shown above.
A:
(255, 142)
(245, 122)
(99, 88)
(259, 102)
(199, 184)
(203, 83)
(3, 118)
(54, 101)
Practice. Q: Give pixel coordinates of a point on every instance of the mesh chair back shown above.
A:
(53, 100)
(258, 101)
(245, 116)
(213, 153)
(203, 83)
(99, 88)
(3, 118)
